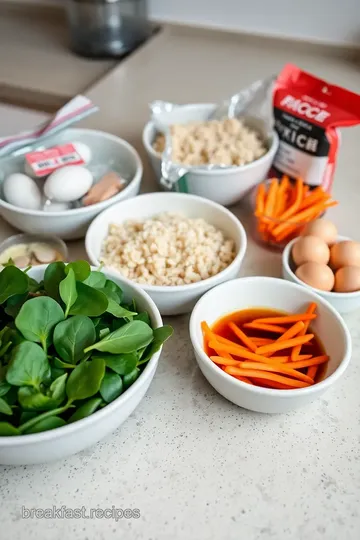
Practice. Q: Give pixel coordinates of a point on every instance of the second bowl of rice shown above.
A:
(247, 157)
(175, 246)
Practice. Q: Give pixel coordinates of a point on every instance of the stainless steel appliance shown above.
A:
(107, 28)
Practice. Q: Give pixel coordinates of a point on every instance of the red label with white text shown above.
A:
(45, 162)
(308, 112)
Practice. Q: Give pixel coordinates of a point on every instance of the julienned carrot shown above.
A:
(271, 198)
(243, 379)
(279, 368)
(286, 359)
(287, 344)
(296, 350)
(293, 331)
(242, 336)
(260, 200)
(297, 202)
(224, 360)
(261, 341)
(286, 318)
(267, 327)
(221, 352)
(266, 375)
(211, 336)
(312, 371)
(240, 352)
(311, 212)
(265, 383)
(314, 361)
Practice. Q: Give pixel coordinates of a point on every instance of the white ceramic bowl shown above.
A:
(277, 294)
(171, 300)
(342, 302)
(70, 439)
(224, 186)
(71, 224)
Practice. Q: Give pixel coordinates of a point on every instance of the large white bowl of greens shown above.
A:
(78, 350)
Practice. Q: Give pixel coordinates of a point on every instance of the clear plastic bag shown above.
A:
(252, 105)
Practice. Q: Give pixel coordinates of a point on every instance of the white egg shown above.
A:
(68, 183)
(56, 207)
(83, 150)
(21, 190)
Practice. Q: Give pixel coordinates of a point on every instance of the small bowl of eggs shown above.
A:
(64, 202)
(325, 262)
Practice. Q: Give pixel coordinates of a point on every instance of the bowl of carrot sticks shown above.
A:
(282, 209)
(268, 345)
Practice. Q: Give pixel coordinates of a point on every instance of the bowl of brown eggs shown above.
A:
(325, 262)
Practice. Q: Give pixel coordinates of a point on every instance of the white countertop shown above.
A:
(196, 466)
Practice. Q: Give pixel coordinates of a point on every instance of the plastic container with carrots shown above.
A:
(282, 209)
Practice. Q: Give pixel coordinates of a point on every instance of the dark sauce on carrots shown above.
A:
(221, 328)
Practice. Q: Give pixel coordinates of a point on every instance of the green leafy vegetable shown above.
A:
(5, 407)
(111, 386)
(69, 345)
(130, 378)
(96, 280)
(32, 399)
(89, 302)
(81, 269)
(7, 430)
(85, 379)
(130, 337)
(122, 364)
(46, 424)
(160, 336)
(86, 409)
(28, 366)
(68, 292)
(72, 336)
(37, 318)
(12, 282)
(54, 274)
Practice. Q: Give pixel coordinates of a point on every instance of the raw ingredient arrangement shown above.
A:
(79, 344)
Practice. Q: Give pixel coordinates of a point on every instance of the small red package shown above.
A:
(307, 113)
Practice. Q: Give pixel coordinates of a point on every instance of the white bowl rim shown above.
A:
(68, 429)
(97, 206)
(323, 384)
(214, 172)
(326, 294)
(176, 288)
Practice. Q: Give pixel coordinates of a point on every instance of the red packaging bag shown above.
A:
(307, 113)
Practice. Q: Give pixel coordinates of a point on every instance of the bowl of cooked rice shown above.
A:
(224, 158)
(175, 246)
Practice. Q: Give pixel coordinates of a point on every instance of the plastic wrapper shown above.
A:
(253, 105)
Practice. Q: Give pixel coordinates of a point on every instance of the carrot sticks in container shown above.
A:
(283, 208)
(247, 346)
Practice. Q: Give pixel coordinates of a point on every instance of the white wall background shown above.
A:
(329, 21)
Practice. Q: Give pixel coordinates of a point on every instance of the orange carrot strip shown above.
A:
(221, 339)
(285, 359)
(261, 341)
(267, 327)
(315, 361)
(293, 331)
(265, 383)
(281, 197)
(302, 215)
(277, 369)
(265, 375)
(312, 371)
(279, 345)
(296, 350)
(206, 330)
(317, 195)
(243, 379)
(271, 198)
(241, 352)
(286, 318)
(225, 360)
(260, 200)
(242, 336)
(297, 202)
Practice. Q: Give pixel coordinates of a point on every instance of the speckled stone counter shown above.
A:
(196, 466)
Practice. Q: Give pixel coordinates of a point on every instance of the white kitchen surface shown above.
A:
(196, 466)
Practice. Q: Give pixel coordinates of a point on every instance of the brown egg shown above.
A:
(347, 279)
(346, 253)
(310, 249)
(322, 228)
(316, 275)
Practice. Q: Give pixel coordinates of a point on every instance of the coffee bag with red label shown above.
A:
(307, 113)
